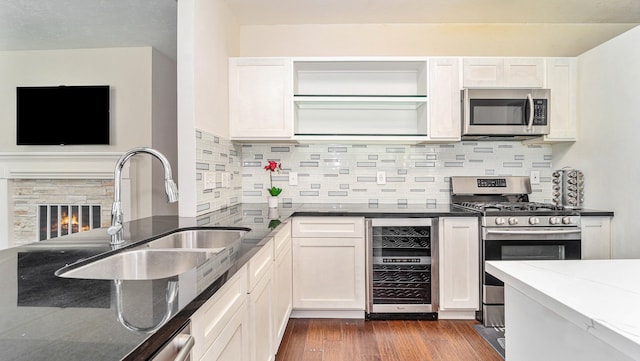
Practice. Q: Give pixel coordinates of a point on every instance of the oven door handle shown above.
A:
(544, 232)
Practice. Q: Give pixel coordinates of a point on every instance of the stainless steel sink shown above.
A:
(211, 240)
(164, 257)
(138, 264)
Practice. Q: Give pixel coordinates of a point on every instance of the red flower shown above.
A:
(273, 166)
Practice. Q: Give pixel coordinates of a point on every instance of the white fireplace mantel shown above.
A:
(58, 165)
(53, 165)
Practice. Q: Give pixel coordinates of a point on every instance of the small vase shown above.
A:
(273, 202)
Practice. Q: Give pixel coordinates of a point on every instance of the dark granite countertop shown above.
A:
(44, 317)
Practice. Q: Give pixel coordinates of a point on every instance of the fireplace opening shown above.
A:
(56, 220)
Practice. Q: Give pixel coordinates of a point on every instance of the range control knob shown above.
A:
(534, 220)
(513, 220)
(500, 221)
(554, 220)
(566, 220)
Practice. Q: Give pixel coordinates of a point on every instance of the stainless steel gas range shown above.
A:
(514, 229)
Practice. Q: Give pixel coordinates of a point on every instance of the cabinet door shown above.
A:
(503, 72)
(329, 273)
(209, 321)
(444, 99)
(260, 98)
(459, 264)
(282, 284)
(482, 72)
(232, 343)
(562, 80)
(524, 72)
(261, 318)
(596, 237)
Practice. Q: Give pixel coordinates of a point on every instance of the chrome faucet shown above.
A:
(116, 210)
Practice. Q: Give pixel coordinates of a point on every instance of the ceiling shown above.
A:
(64, 24)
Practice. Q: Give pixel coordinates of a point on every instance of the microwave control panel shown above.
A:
(540, 112)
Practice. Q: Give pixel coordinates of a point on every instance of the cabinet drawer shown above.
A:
(209, 321)
(328, 227)
(259, 264)
(282, 240)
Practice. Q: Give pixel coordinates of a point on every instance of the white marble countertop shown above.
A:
(600, 296)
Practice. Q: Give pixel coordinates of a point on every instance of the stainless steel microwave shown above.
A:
(502, 113)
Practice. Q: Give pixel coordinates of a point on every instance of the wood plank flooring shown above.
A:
(381, 340)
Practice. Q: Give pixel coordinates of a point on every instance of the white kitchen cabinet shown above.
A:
(562, 79)
(459, 267)
(232, 342)
(444, 99)
(282, 282)
(260, 98)
(220, 326)
(596, 237)
(328, 266)
(359, 97)
(503, 72)
(260, 300)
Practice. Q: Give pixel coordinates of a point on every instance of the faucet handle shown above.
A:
(114, 229)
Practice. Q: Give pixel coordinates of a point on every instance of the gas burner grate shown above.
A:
(511, 206)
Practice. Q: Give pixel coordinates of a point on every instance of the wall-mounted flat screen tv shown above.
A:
(63, 115)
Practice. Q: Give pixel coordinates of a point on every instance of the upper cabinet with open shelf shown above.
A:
(360, 98)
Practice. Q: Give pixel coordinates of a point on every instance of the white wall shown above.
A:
(425, 39)
(207, 37)
(126, 70)
(142, 110)
(607, 146)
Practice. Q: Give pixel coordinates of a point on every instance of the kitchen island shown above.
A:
(44, 317)
(583, 310)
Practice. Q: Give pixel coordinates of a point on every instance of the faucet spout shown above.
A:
(115, 231)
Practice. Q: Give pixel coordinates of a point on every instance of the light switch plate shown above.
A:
(209, 180)
(225, 180)
(381, 177)
(293, 178)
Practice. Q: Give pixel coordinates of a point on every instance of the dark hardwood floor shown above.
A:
(376, 340)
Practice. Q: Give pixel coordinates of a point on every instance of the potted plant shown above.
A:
(273, 167)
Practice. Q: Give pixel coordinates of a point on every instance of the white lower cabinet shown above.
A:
(282, 283)
(245, 320)
(261, 318)
(232, 343)
(596, 237)
(328, 266)
(459, 267)
(220, 326)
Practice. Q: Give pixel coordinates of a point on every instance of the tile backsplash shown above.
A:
(346, 173)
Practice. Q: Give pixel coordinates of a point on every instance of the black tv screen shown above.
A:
(63, 115)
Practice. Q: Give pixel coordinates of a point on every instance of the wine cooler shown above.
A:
(402, 272)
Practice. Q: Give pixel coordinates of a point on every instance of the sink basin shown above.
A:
(211, 240)
(137, 264)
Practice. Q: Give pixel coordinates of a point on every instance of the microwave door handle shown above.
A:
(530, 123)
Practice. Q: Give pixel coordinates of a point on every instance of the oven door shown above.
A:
(521, 244)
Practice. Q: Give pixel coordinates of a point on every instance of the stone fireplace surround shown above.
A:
(79, 176)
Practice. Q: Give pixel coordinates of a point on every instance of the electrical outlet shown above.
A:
(381, 177)
(535, 177)
(209, 180)
(293, 178)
